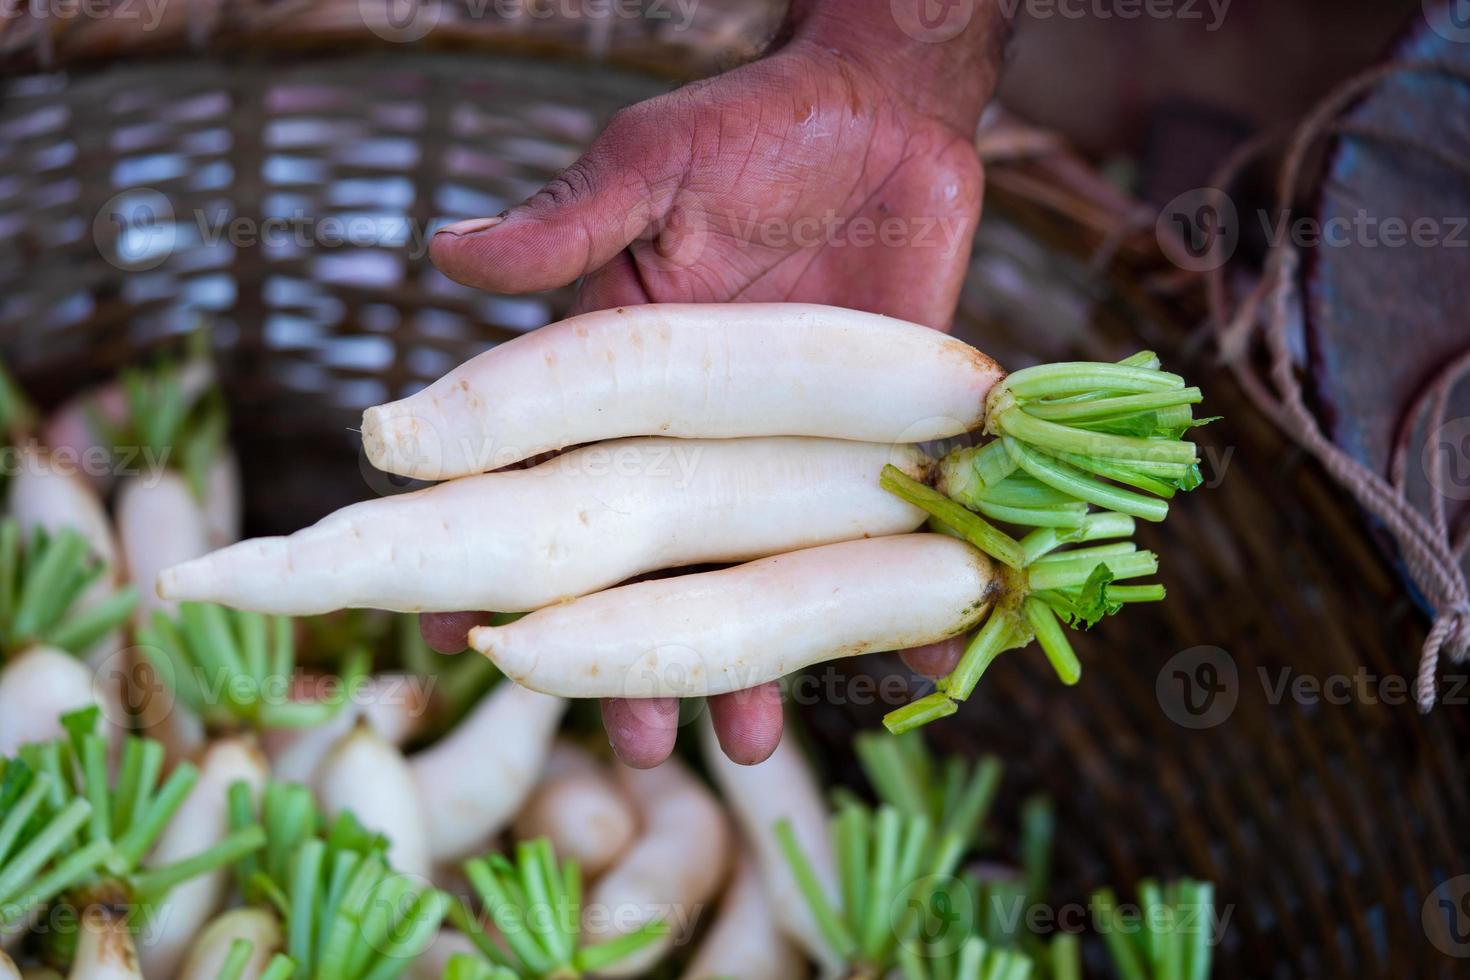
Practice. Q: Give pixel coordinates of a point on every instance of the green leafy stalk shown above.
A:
(1067, 437)
(171, 415)
(535, 904)
(1168, 936)
(40, 583)
(235, 668)
(955, 795)
(891, 866)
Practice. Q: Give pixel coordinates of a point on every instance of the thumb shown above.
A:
(574, 225)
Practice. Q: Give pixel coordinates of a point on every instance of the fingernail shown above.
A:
(471, 226)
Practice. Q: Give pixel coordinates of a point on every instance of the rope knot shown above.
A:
(1449, 633)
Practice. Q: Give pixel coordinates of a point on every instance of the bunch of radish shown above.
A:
(779, 435)
(294, 816)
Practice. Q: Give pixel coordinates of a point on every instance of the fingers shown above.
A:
(748, 723)
(641, 731)
(935, 659)
(449, 632)
(576, 223)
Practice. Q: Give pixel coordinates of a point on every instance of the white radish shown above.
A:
(474, 780)
(207, 956)
(430, 964)
(223, 500)
(160, 523)
(201, 822)
(781, 788)
(580, 809)
(674, 868)
(581, 522)
(686, 370)
(393, 705)
(46, 494)
(735, 628)
(368, 776)
(105, 949)
(8, 969)
(36, 689)
(745, 943)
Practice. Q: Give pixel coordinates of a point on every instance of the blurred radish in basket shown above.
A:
(783, 787)
(580, 809)
(745, 941)
(234, 672)
(44, 630)
(126, 840)
(344, 911)
(675, 867)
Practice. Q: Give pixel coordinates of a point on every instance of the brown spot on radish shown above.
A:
(580, 331)
(549, 358)
(582, 516)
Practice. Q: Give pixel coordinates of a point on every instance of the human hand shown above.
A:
(838, 169)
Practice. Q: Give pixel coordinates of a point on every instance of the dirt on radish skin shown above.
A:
(722, 631)
(105, 949)
(691, 371)
(671, 871)
(581, 522)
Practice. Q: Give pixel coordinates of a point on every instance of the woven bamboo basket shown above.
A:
(1329, 828)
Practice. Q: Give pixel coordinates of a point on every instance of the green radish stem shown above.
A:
(1169, 938)
(890, 866)
(235, 668)
(535, 903)
(40, 581)
(1067, 437)
(955, 795)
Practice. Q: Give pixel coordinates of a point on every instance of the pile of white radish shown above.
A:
(215, 791)
(780, 435)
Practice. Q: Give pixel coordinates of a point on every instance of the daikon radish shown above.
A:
(686, 370)
(735, 628)
(45, 495)
(8, 969)
(223, 501)
(369, 777)
(390, 704)
(589, 519)
(744, 943)
(474, 780)
(670, 872)
(199, 824)
(36, 689)
(105, 949)
(210, 951)
(580, 809)
(781, 788)
(160, 524)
